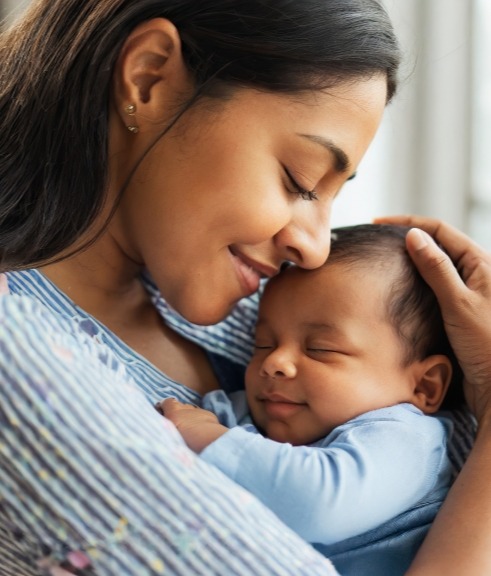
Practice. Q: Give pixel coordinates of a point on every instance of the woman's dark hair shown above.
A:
(412, 307)
(56, 66)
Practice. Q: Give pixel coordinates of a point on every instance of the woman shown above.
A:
(458, 541)
(159, 158)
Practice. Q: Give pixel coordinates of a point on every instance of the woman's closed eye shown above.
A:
(304, 194)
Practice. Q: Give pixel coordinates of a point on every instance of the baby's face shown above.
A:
(325, 352)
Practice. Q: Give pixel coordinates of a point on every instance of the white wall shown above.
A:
(10, 8)
(420, 159)
(480, 213)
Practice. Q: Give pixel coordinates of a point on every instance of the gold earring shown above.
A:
(130, 109)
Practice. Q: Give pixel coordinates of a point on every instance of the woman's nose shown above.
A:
(306, 242)
(278, 364)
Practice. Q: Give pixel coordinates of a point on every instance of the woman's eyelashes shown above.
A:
(304, 194)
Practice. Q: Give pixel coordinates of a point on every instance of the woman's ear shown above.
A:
(432, 378)
(150, 76)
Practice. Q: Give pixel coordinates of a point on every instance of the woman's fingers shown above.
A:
(458, 246)
(435, 266)
(472, 262)
(459, 272)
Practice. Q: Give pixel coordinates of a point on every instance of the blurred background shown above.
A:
(432, 155)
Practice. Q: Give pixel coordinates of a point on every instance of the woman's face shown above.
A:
(239, 186)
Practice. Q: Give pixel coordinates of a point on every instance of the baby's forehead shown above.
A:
(336, 281)
(388, 267)
(338, 295)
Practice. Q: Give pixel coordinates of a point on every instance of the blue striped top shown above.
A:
(93, 478)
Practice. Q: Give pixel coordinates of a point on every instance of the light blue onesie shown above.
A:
(364, 495)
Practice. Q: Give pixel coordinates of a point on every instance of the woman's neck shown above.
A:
(101, 279)
(106, 284)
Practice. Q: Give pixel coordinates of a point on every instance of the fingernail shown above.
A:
(419, 238)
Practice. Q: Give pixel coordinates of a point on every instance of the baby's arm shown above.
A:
(366, 475)
(198, 427)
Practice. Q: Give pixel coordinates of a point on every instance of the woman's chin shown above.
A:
(204, 314)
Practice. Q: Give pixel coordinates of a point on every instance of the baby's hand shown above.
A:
(198, 427)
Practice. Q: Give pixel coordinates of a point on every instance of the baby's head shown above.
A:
(362, 332)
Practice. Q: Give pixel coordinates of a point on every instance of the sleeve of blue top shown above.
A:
(367, 475)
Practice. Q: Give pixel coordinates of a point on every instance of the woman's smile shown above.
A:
(250, 271)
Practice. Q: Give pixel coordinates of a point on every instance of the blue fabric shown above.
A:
(88, 466)
(365, 495)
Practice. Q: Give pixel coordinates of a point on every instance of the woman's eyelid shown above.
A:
(303, 192)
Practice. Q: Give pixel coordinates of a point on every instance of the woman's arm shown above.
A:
(459, 541)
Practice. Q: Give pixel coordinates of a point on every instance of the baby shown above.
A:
(338, 431)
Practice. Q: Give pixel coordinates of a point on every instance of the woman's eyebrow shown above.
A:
(342, 160)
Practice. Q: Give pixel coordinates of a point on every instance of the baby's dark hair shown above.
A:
(412, 306)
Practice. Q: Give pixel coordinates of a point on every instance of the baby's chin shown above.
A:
(284, 435)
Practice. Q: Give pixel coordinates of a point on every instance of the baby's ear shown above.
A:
(432, 378)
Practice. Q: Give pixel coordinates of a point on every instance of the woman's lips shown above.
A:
(248, 276)
(250, 271)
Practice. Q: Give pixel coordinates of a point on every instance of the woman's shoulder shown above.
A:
(39, 310)
(30, 304)
(33, 286)
(29, 327)
(21, 311)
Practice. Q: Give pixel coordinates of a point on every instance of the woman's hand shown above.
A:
(198, 427)
(460, 276)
